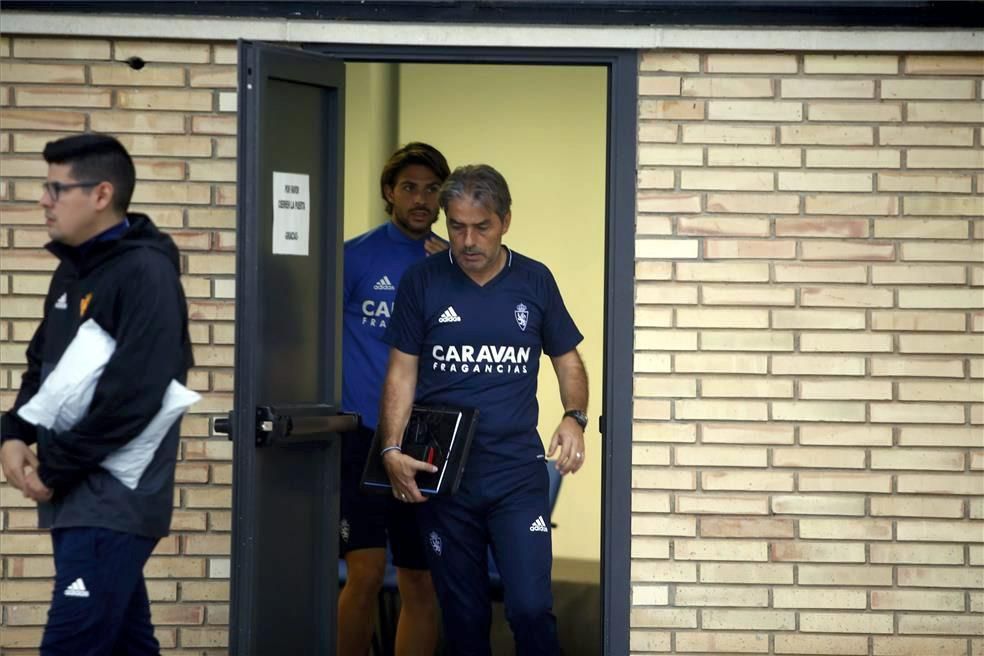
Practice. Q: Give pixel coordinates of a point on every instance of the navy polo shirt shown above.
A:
(374, 264)
(480, 346)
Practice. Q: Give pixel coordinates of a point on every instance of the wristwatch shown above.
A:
(579, 417)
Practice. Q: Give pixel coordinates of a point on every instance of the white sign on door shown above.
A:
(291, 213)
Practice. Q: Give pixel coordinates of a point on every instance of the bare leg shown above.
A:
(357, 600)
(416, 633)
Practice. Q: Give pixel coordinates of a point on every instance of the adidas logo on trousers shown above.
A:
(77, 589)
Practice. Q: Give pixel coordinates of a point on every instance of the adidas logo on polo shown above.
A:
(62, 302)
(77, 589)
(449, 316)
(384, 284)
(539, 525)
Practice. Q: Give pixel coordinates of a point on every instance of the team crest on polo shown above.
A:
(435, 542)
(522, 315)
(344, 529)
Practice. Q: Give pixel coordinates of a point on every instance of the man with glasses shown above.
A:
(374, 265)
(118, 270)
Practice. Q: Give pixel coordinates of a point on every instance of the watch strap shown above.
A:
(579, 416)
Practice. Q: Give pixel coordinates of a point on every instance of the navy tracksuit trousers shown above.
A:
(100, 605)
(509, 511)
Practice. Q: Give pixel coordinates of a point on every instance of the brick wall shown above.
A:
(807, 445)
(809, 339)
(176, 116)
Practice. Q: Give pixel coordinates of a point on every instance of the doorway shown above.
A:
(262, 133)
(617, 71)
(544, 129)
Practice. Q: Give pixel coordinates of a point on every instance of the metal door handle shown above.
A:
(305, 423)
(223, 425)
(342, 423)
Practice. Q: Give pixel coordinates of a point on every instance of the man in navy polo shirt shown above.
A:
(374, 264)
(468, 330)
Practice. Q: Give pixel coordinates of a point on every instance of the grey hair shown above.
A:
(479, 184)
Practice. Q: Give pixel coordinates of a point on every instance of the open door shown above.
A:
(286, 416)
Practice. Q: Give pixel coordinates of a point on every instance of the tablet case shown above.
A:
(439, 435)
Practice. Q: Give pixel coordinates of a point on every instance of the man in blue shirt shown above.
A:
(374, 264)
(468, 330)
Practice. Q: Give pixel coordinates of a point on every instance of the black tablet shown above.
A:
(438, 435)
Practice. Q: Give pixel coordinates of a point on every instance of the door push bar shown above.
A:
(294, 424)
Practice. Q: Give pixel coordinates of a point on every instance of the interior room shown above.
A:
(544, 128)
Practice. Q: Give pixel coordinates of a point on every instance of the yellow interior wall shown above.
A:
(544, 129)
(370, 138)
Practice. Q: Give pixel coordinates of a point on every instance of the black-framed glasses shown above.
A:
(54, 189)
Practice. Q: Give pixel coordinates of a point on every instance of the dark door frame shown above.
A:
(620, 188)
(270, 505)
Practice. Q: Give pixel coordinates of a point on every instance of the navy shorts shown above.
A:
(367, 520)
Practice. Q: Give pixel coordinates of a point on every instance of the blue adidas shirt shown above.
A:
(480, 346)
(374, 264)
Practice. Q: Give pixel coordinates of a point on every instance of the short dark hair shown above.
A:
(480, 184)
(96, 157)
(415, 152)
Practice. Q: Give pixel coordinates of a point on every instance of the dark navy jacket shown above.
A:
(131, 287)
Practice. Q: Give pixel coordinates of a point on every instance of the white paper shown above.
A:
(64, 398)
(291, 213)
(129, 462)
